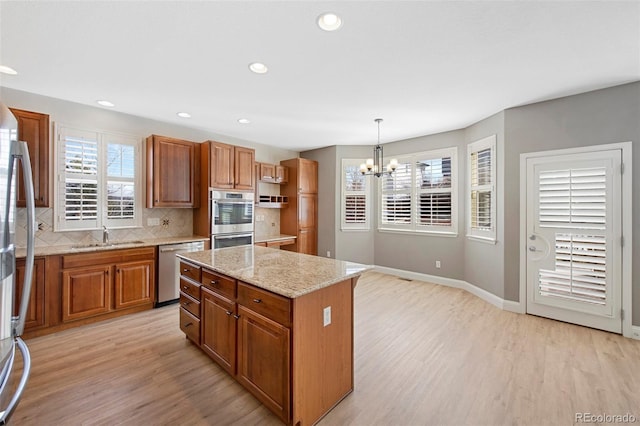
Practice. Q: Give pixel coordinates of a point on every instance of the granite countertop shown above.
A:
(272, 237)
(124, 244)
(282, 272)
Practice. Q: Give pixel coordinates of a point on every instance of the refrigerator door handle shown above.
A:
(20, 150)
(26, 370)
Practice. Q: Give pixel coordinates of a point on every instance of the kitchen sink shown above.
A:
(110, 244)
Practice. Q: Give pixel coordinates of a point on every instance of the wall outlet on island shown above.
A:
(153, 221)
(326, 314)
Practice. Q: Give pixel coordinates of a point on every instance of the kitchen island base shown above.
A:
(293, 353)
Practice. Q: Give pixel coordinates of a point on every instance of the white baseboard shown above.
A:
(507, 305)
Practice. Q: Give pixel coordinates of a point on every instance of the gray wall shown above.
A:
(484, 262)
(594, 118)
(418, 253)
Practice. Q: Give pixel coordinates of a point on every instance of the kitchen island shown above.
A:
(281, 323)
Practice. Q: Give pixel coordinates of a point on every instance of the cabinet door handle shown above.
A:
(236, 316)
(214, 282)
(185, 287)
(188, 325)
(186, 303)
(186, 270)
(118, 270)
(106, 272)
(257, 300)
(228, 312)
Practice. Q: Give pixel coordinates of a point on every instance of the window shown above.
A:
(482, 189)
(356, 198)
(420, 196)
(98, 180)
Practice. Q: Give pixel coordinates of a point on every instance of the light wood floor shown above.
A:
(424, 355)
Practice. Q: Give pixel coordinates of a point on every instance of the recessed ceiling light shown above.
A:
(258, 67)
(329, 21)
(105, 103)
(184, 115)
(244, 121)
(7, 70)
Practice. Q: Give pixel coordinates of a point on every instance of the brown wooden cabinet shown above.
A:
(103, 282)
(133, 284)
(86, 292)
(218, 329)
(172, 172)
(35, 317)
(33, 128)
(190, 300)
(230, 167)
(301, 217)
(272, 173)
(263, 360)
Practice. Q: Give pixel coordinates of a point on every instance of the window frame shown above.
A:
(414, 227)
(344, 226)
(102, 140)
(478, 233)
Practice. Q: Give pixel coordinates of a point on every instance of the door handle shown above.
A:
(533, 249)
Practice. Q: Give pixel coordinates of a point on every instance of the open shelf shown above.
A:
(272, 201)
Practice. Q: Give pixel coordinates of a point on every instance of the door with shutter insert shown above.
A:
(574, 238)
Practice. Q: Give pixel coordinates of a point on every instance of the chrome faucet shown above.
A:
(105, 235)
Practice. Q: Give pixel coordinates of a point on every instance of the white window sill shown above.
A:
(422, 233)
(486, 240)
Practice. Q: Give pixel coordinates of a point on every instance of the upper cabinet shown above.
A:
(231, 167)
(172, 172)
(273, 173)
(33, 128)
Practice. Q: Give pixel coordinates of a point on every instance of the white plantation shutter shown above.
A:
(573, 198)
(482, 194)
(397, 194)
(580, 269)
(355, 196)
(434, 187)
(80, 179)
(98, 177)
(420, 195)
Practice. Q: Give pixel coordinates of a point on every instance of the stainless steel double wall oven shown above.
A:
(232, 218)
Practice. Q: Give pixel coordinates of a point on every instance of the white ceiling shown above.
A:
(423, 66)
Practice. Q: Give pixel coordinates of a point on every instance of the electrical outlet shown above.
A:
(153, 221)
(326, 313)
(328, 253)
(438, 264)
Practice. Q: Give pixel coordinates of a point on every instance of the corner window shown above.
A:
(481, 159)
(98, 180)
(356, 198)
(420, 196)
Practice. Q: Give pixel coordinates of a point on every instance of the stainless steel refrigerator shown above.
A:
(11, 326)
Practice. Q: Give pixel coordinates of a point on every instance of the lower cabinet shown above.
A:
(263, 360)
(35, 317)
(218, 329)
(103, 282)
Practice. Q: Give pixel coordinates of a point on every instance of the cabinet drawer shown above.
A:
(189, 270)
(190, 304)
(219, 283)
(279, 243)
(190, 325)
(190, 288)
(273, 306)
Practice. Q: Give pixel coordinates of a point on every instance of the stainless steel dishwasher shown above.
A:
(168, 272)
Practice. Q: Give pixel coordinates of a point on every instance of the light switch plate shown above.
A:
(327, 316)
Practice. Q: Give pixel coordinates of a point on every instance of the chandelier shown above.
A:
(374, 166)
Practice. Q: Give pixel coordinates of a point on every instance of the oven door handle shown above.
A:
(228, 237)
(233, 202)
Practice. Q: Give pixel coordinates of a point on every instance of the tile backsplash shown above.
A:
(269, 223)
(172, 223)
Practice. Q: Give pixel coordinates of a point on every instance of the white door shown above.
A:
(574, 238)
